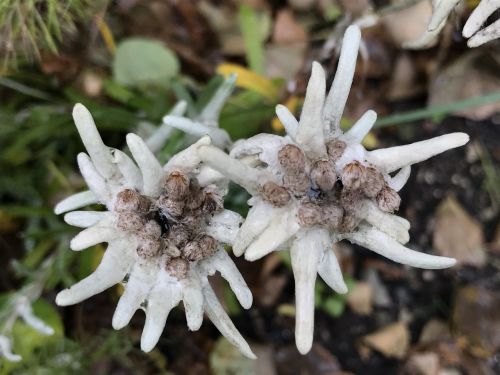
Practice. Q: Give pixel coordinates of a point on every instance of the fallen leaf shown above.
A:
(392, 340)
(472, 75)
(426, 363)
(360, 298)
(457, 235)
(434, 330)
(287, 30)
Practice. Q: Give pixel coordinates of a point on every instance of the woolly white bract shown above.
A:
(146, 204)
(472, 28)
(316, 186)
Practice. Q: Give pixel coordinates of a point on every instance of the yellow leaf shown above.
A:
(250, 80)
(107, 35)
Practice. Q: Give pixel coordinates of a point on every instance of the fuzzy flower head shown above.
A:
(472, 28)
(166, 229)
(317, 186)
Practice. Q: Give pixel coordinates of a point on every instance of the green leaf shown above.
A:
(252, 36)
(144, 63)
(334, 306)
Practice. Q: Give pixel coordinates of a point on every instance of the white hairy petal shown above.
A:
(393, 225)
(223, 263)
(165, 295)
(440, 12)
(219, 137)
(288, 120)
(386, 246)
(160, 135)
(84, 219)
(281, 229)
(115, 263)
(142, 277)
(187, 159)
(33, 321)
(235, 170)
(361, 128)
(258, 218)
(95, 181)
(306, 252)
(490, 32)
(6, 350)
(265, 146)
(209, 176)
(224, 226)
(192, 298)
(222, 321)
(98, 151)
(399, 179)
(131, 174)
(151, 170)
(330, 272)
(310, 132)
(393, 158)
(103, 231)
(211, 112)
(76, 201)
(337, 97)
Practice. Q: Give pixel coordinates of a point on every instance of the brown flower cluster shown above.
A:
(169, 225)
(325, 198)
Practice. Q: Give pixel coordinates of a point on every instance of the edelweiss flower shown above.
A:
(317, 186)
(441, 11)
(165, 228)
(207, 121)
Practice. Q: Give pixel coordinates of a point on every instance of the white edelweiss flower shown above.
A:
(471, 30)
(207, 121)
(165, 228)
(316, 186)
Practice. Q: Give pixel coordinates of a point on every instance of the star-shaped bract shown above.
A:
(316, 186)
(165, 228)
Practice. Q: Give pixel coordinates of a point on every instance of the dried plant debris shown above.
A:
(316, 186)
(472, 28)
(166, 229)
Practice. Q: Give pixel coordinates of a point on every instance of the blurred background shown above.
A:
(129, 61)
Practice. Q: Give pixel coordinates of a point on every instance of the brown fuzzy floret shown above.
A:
(177, 267)
(374, 182)
(323, 175)
(277, 195)
(388, 199)
(292, 159)
(130, 200)
(335, 149)
(177, 185)
(130, 221)
(353, 176)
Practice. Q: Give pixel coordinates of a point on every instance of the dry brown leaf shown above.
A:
(434, 331)
(426, 363)
(392, 340)
(408, 24)
(474, 74)
(360, 298)
(287, 30)
(457, 235)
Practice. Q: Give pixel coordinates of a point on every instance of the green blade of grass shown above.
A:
(438, 110)
(252, 37)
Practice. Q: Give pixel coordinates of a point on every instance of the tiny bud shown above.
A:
(151, 230)
(207, 244)
(332, 215)
(374, 182)
(149, 248)
(292, 159)
(310, 214)
(177, 267)
(335, 149)
(177, 185)
(323, 175)
(172, 251)
(388, 199)
(212, 202)
(353, 175)
(131, 200)
(192, 251)
(351, 200)
(297, 183)
(349, 223)
(129, 221)
(277, 195)
(170, 207)
(178, 235)
(196, 196)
